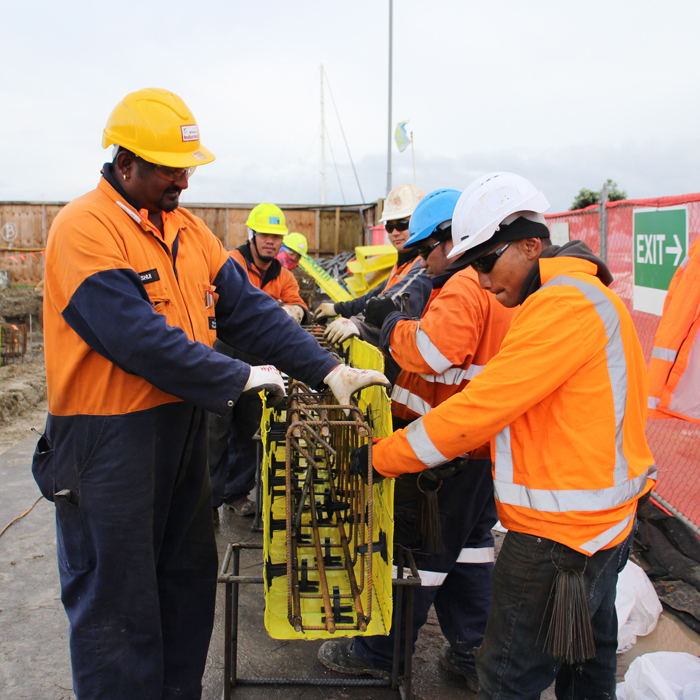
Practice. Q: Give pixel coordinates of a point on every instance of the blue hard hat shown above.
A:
(432, 210)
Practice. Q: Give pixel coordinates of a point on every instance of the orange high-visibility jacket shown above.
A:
(674, 369)
(130, 314)
(277, 281)
(566, 400)
(460, 330)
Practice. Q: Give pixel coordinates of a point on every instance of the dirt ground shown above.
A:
(22, 381)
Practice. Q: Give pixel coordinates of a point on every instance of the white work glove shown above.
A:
(326, 309)
(341, 329)
(344, 381)
(296, 312)
(266, 378)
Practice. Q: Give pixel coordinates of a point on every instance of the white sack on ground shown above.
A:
(637, 605)
(662, 675)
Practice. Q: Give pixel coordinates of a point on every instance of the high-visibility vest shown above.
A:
(566, 400)
(674, 368)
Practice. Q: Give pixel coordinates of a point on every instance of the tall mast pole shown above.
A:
(388, 147)
(323, 145)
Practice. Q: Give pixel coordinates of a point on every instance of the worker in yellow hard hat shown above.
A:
(137, 289)
(232, 450)
(294, 248)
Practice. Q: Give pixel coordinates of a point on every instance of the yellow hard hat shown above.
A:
(297, 242)
(267, 218)
(158, 126)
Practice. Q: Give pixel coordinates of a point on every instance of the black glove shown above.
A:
(359, 464)
(377, 309)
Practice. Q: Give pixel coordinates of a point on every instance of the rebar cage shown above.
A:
(328, 535)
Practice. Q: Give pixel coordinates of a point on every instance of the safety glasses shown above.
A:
(425, 251)
(170, 174)
(486, 262)
(400, 225)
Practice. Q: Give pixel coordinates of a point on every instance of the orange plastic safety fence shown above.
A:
(674, 443)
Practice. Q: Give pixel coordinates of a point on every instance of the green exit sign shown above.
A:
(660, 240)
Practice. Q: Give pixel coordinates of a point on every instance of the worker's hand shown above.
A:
(377, 309)
(359, 463)
(341, 329)
(326, 309)
(295, 311)
(344, 381)
(266, 378)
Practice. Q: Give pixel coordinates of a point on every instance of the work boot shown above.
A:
(243, 506)
(339, 655)
(448, 661)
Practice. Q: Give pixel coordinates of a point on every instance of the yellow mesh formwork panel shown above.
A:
(295, 604)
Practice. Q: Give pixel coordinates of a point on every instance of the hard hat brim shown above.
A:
(197, 157)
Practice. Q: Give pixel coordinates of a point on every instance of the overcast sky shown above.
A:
(565, 93)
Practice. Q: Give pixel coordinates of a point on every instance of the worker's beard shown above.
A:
(264, 258)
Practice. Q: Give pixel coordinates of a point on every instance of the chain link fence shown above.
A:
(674, 443)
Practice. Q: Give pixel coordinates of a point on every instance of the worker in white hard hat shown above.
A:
(564, 405)
(137, 290)
(407, 278)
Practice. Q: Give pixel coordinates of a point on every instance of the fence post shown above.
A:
(604, 224)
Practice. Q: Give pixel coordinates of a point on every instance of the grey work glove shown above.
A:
(326, 309)
(266, 378)
(344, 381)
(341, 329)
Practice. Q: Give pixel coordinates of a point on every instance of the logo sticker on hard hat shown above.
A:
(199, 155)
(274, 220)
(190, 132)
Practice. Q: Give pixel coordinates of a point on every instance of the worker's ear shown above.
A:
(531, 248)
(124, 164)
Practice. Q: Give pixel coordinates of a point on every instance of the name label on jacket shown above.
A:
(149, 276)
(212, 323)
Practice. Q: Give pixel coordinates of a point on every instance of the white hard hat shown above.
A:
(400, 202)
(487, 203)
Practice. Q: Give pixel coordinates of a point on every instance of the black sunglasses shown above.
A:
(486, 262)
(390, 226)
(425, 251)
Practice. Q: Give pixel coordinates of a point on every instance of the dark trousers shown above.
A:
(460, 590)
(511, 662)
(136, 550)
(232, 450)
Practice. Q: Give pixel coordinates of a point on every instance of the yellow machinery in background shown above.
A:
(328, 536)
(370, 268)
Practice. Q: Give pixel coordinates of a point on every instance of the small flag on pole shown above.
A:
(403, 140)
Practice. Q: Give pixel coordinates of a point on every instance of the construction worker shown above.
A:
(294, 248)
(406, 277)
(136, 291)
(564, 404)
(674, 378)
(460, 330)
(232, 450)
(267, 230)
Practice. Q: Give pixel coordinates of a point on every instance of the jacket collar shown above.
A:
(173, 221)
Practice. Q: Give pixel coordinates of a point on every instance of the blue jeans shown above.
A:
(511, 662)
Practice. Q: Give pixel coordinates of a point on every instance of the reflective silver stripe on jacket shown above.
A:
(454, 375)
(586, 500)
(423, 446)
(605, 538)
(400, 287)
(406, 398)
(432, 356)
(664, 354)
(476, 555)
